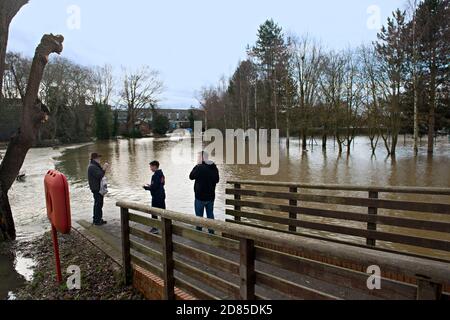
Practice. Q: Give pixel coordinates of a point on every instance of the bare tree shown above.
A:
(16, 75)
(391, 49)
(352, 97)
(104, 83)
(212, 99)
(8, 10)
(307, 61)
(371, 77)
(412, 6)
(140, 92)
(333, 90)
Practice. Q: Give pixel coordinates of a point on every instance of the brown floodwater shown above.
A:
(130, 171)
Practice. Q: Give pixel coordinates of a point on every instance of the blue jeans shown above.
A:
(200, 207)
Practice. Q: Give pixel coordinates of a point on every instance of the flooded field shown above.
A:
(129, 172)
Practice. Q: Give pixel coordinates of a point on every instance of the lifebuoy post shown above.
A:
(57, 199)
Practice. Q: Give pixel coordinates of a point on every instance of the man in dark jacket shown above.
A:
(156, 188)
(95, 176)
(206, 176)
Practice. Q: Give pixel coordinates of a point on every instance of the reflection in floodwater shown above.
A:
(129, 171)
(15, 270)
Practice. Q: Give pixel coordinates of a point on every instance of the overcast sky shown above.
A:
(191, 42)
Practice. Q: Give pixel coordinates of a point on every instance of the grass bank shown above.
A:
(100, 276)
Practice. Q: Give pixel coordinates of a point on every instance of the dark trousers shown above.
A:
(98, 207)
(200, 207)
(159, 204)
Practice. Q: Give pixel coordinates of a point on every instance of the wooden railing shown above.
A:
(340, 218)
(216, 267)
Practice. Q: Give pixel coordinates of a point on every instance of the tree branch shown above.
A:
(33, 113)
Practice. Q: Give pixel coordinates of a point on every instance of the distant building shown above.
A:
(178, 119)
(80, 124)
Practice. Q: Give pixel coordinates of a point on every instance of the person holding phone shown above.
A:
(95, 175)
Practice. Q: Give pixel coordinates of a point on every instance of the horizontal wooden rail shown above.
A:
(405, 190)
(433, 271)
(345, 278)
(377, 235)
(300, 203)
(349, 201)
(232, 290)
(207, 259)
(343, 215)
(291, 288)
(212, 240)
(186, 285)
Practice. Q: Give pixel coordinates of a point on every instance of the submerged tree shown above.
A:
(141, 90)
(272, 54)
(34, 113)
(432, 21)
(103, 121)
(392, 50)
(307, 60)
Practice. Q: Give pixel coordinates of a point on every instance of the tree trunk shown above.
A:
(431, 114)
(394, 145)
(33, 115)
(324, 141)
(304, 142)
(431, 124)
(288, 134)
(7, 228)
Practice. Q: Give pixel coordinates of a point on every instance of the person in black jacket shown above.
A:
(206, 176)
(156, 188)
(95, 176)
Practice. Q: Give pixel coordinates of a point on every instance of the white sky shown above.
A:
(191, 42)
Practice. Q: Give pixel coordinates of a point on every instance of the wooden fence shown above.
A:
(306, 208)
(216, 267)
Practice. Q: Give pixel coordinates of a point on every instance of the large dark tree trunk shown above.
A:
(33, 115)
(431, 112)
(7, 228)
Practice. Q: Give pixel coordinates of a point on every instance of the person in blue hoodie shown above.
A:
(156, 188)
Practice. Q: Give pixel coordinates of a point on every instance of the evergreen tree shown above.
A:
(272, 54)
(434, 50)
(102, 121)
(391, 47)
(115, 125)
(161, 124)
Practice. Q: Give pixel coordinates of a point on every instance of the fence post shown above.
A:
(427, 290)
(293, 215)
(370, 225)
(168, 264)
(237, 197)
(126, 255)
(247, 269)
